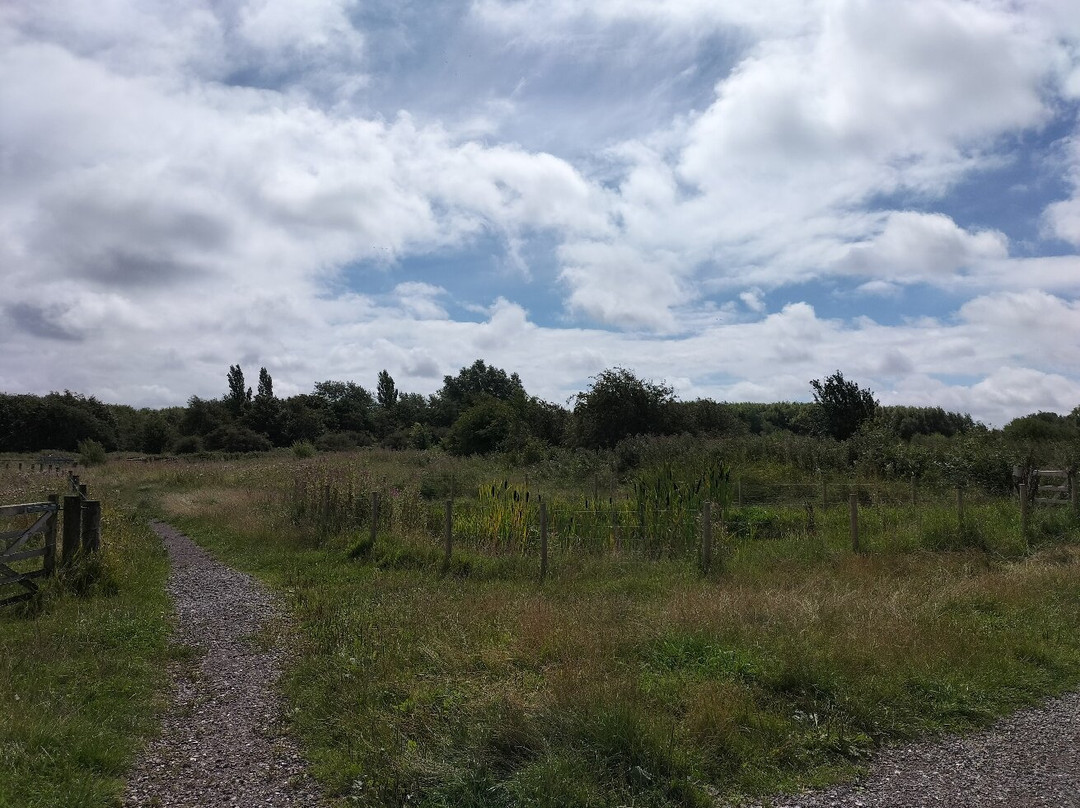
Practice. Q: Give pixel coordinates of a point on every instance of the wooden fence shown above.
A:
(81, 531)
(12, 549)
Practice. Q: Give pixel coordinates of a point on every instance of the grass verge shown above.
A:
(79, 671)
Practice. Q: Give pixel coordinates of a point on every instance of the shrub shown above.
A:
(189, 444)
(303, 449)
(234, 438)
(92, 453)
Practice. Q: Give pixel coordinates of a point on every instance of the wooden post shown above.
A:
(853, 505)
(50, 537)
(543, 541)
(374, 516)
(72, 529)
(1023, 511)
(960, 506)
(91, 526)
(1073, 498)
(706, 536)
(448, 535)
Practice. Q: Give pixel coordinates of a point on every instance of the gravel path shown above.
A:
(1029, 759)
(221, 742)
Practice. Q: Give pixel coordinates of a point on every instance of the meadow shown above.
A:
(627, 675)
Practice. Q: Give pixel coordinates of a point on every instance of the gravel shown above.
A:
(1029, 759)
(222, 742)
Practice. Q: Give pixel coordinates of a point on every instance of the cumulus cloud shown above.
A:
(922, 247)
(185, 184)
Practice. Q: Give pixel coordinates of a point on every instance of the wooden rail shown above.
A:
(81, 533)
(11, 552)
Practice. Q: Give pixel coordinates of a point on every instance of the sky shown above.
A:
(733, 198)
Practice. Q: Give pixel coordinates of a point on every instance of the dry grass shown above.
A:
(620, 681)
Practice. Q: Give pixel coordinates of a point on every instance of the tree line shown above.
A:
(481, 409)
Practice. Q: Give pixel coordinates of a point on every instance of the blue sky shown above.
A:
(734, 198)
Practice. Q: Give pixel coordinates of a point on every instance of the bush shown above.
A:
(92, 453)
(189, 444)
(234, 438)
(303, 449)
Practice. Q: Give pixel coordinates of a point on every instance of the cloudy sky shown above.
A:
(733, 197)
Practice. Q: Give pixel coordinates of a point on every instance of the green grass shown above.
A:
(80, 669)
(622, 680)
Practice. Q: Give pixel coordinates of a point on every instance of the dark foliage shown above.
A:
(842, 405)
(618, 405)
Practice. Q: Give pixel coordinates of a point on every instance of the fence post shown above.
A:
(1073, 494)
(543, 541)
(91, 526)
(50, 537)
(448, 535)
(853, 504)
(960, 506)
(1023, 511)
(706, 536)
(72, 529)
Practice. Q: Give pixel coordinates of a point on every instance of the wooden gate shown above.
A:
(14, 575)
(1053, 486)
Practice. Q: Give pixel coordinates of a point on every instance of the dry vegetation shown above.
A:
(621, 679)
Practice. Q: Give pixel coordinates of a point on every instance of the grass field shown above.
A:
(626, 677)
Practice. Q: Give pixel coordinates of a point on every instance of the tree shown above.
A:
(386, 391)
(460, 392)
(349, 404)
(266, 414)
(239, 397)
(484, 427)
(618, 405)
(842, 405)
(202, 416)
(266, 385)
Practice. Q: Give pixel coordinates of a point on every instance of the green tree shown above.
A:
(266, 414)
(479, 379)
(239, 396)
(349, 404)
(483, 428)
(203, 416)
(266, 384)
(386, 392)
(842, 405)
(618, 405)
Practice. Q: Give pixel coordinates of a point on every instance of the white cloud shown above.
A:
(922, 247)
(185, 184)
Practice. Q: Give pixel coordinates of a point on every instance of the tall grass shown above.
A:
(627, 677)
